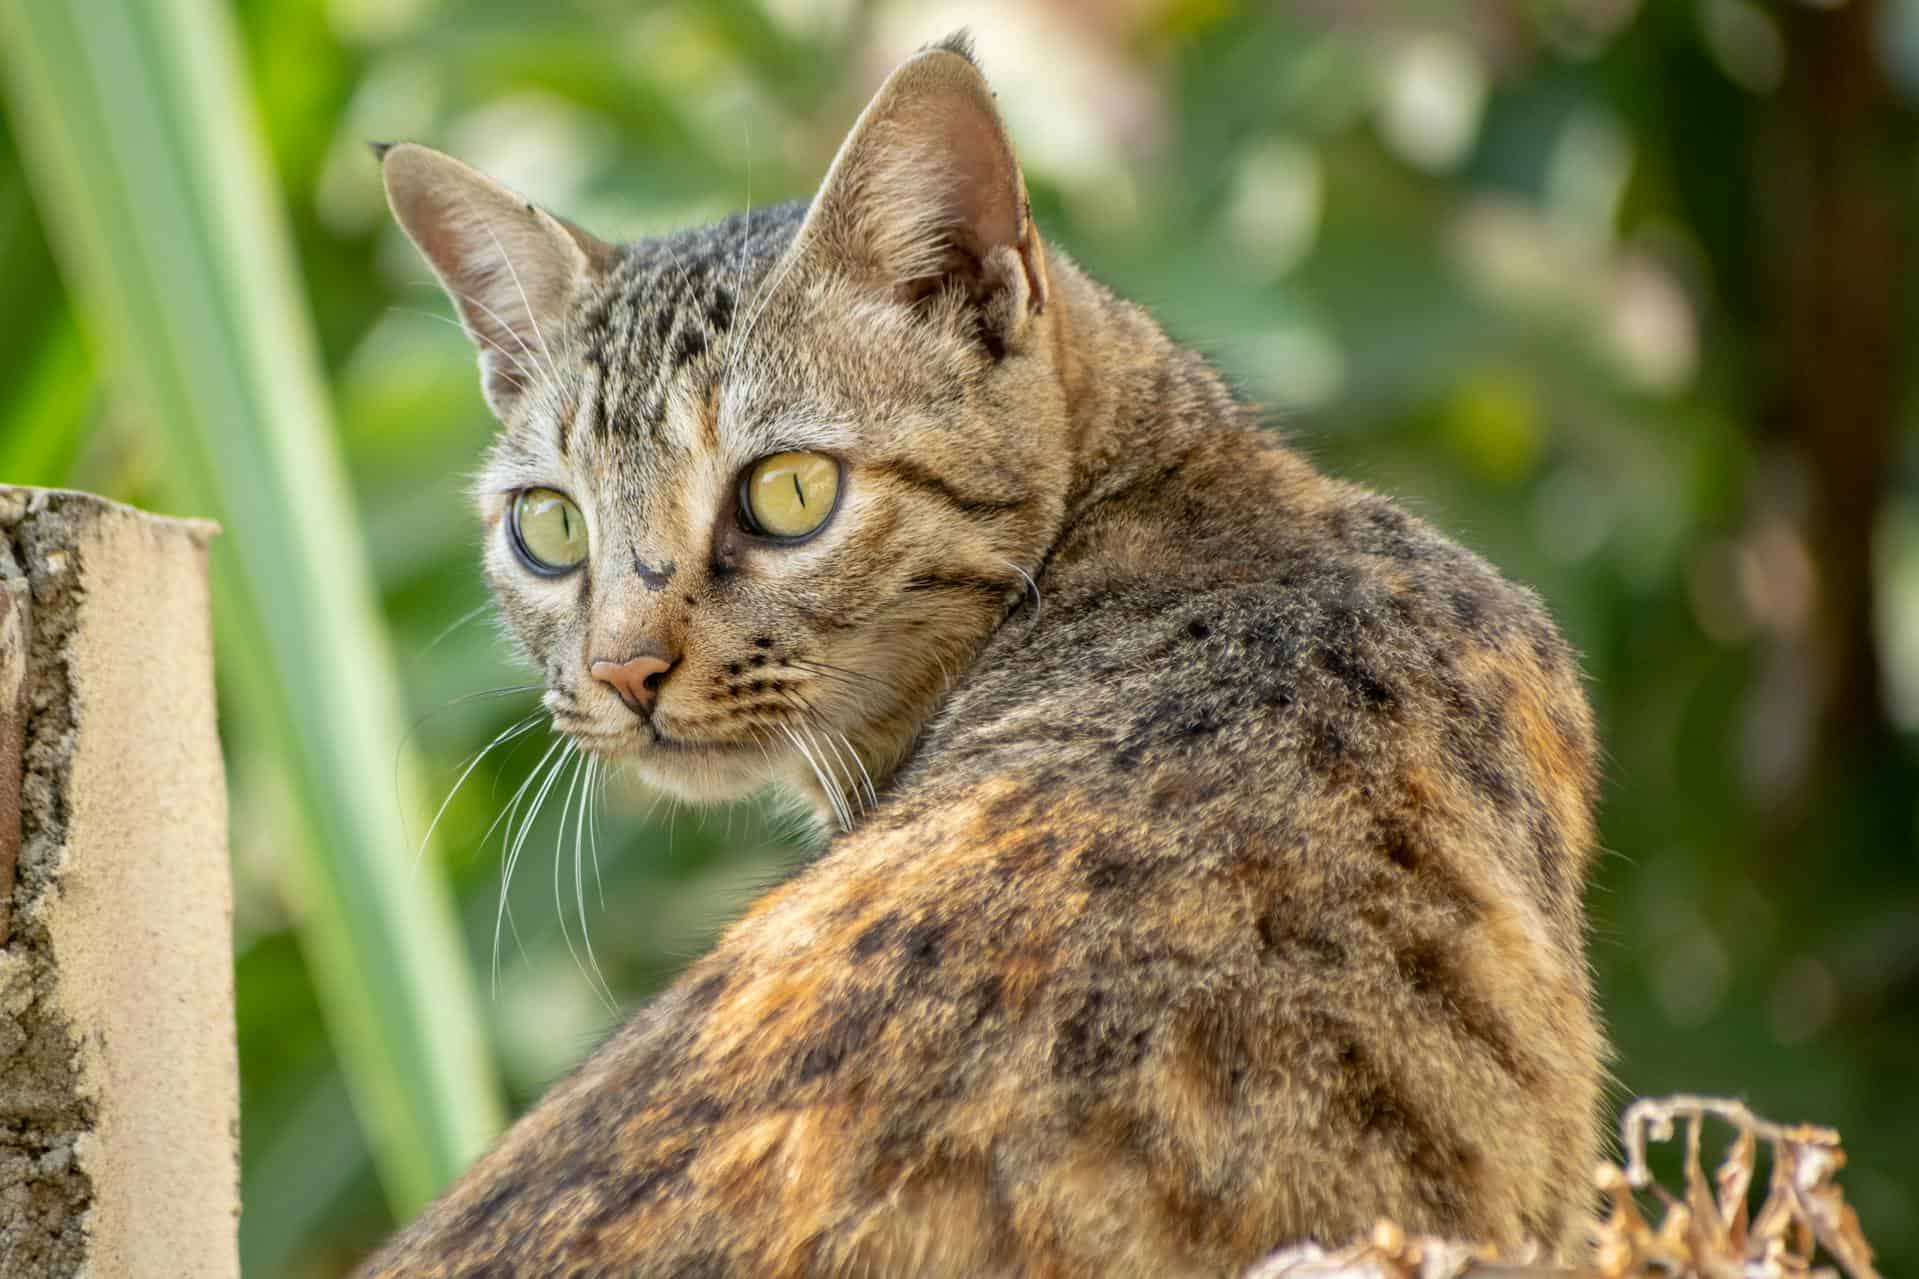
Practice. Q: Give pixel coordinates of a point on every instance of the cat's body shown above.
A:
(1216, 891)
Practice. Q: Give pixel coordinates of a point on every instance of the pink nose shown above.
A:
(636, 680)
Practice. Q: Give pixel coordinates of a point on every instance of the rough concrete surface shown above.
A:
(119, 1092)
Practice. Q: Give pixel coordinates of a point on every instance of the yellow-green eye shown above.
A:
(548, 531)
(789, 494)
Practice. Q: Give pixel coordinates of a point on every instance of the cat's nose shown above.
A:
(636, 680)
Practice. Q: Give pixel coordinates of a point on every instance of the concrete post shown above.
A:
(119, 1089)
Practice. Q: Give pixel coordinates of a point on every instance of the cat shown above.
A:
(1206, 835)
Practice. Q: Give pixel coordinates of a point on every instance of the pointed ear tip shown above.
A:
(955, 63)
(379, 149)
(408, 166)
(960, 42)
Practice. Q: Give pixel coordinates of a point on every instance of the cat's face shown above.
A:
(761, 489)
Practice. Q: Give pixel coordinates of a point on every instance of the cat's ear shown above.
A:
(926, 194)
(512, 269)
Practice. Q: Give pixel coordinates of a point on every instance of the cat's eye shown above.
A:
(548, 531)
(789, 495)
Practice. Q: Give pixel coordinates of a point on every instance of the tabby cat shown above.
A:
(1206, 835)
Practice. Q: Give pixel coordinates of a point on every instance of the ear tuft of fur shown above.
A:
(960, 42)
(379, 149)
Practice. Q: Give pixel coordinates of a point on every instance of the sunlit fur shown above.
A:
(1207, 835)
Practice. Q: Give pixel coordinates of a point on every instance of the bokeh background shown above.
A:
(1619, 291)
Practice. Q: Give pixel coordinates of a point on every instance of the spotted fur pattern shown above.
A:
(1217, 889)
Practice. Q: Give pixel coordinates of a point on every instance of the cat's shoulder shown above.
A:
(1243, 554)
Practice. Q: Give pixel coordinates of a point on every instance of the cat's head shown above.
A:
(761, 489)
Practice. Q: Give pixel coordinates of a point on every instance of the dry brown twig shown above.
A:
(1706, 1233)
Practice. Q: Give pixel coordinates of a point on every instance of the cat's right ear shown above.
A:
(511, 268)
(926, 198)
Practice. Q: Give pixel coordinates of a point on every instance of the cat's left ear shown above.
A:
(926, 195)
(511, 268)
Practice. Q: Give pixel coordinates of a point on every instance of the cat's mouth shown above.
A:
(692, 745)
(698, 770)
(644, 739)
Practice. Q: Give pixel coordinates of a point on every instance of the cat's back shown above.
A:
(1232, 899)
(1304, 790)
(1237, 630)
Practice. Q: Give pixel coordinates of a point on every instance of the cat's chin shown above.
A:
(701, 773)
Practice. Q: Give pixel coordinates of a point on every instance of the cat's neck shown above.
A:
(1138, 402)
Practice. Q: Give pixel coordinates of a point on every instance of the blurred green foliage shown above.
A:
(1617, 292)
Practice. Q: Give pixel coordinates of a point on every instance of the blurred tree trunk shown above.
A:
(1838, 151)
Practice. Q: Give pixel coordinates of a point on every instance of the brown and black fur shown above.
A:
(1219, 890)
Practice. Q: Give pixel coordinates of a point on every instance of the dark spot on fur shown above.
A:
(699, 1265)
(759, 660)
(1182, 792)
(1475, 739)
(1107, 871)
(762, 641)
(1549, 847)
(624, 1198)
(702, 995)
(1031, 851)
(983, 999)
(1097, 1039)
(1198, 629)
(653, 579)
(1469, 610)
(701, 1112)
(1399, 845)
(1327, 751)
(733, 668)
(1365, 685)
(1429, 970)
(920, 945)
(1202, 724)
(1371, 1102)
(691, 345)
(857, 1017)
(1285, 936)
(1277, 696)
(1392, 534)
(874, 935)
(719, 311)
(477, 1217)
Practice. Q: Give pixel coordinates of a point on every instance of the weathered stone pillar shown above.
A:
(119, 1090)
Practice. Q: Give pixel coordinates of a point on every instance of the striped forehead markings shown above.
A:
(669, 302)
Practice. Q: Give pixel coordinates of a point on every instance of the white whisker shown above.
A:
(1038, 604)
(593, 828)
(563, 747)
(583, 782)
(871, 794)
(504, 737)
(463, 619)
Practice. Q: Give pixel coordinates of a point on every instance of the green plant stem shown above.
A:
(150, 175)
